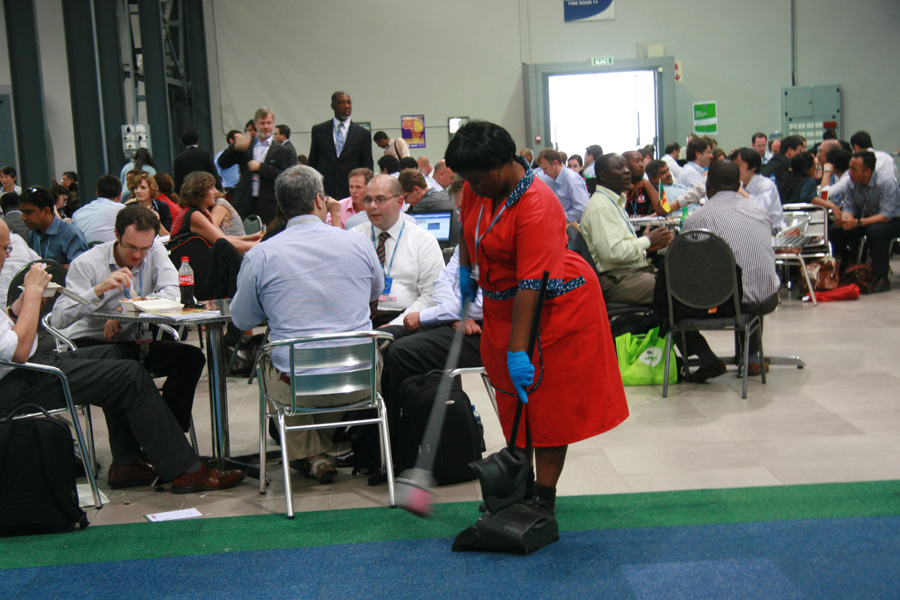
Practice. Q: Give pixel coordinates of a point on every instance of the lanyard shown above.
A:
(618, 209)
(478, 228)
(387, 273)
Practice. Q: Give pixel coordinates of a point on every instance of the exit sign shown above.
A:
(602, 61)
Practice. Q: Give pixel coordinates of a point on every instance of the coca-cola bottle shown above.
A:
(186, 282)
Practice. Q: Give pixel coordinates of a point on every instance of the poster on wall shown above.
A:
(412, 128)
(589, 10)
(706, 119)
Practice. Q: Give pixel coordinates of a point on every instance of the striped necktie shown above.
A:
(339, 137)
(379, 249)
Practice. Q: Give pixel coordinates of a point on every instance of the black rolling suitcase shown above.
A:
(37, 475)
(461, 437)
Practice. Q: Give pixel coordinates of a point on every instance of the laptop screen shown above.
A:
(437, 224)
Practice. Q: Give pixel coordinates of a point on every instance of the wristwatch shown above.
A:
(859, 222)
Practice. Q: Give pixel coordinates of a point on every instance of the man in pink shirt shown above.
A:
(352, 204)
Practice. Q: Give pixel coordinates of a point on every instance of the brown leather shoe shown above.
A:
(139, 472)
(206, 479)
(753, 367)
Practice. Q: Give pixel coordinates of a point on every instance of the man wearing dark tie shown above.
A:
(261, 161)
(338, 146)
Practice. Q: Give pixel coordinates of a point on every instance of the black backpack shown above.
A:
(461, 437)
(37, 475)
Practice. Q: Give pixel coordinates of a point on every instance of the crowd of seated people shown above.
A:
(373, 266)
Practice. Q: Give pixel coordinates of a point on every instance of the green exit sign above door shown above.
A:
(602, 61)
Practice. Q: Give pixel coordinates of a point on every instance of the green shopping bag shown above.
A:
(642, 359)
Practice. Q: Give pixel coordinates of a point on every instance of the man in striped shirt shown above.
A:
(746, 228)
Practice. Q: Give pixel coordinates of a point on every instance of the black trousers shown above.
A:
(136, 415)
(181, 365)
(419, 352)
(696, 343)
(845, 243)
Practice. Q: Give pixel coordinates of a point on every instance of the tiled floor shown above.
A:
(836, 420)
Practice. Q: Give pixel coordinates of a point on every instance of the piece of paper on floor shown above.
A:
(174, 515)
(86, 496)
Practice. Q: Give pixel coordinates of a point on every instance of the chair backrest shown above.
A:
(578, 244)
(796, 220)
(197, 250)
(252, 224)
(327, 364)
(57, 275)
(700, 271)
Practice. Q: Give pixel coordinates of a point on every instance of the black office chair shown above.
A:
(701, 274)
(613, 309)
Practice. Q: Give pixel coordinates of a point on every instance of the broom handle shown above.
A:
(532, 340)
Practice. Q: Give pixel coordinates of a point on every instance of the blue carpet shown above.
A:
(821, 558)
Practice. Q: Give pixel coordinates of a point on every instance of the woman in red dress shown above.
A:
(514, 229)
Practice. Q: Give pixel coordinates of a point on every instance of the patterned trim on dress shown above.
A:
(523, 184)
(555, 288)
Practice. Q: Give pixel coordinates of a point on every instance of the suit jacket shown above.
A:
(287, 144)
(277, 159)
(14, 221)
(357, 152)
(193, 159)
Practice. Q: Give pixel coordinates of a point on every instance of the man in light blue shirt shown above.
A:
(311, 278)
(232, 174)
(870, 208)
(97, 218)
(568, 185)
(50, 236)
(699, 155)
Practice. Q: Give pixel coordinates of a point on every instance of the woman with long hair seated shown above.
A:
(198, 197)
(145, 191)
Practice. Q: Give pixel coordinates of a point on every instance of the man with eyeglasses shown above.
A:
(50, 236)
(410, 256)
(135, 265)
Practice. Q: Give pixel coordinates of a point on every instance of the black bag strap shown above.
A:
(32, 408)
(532, 340)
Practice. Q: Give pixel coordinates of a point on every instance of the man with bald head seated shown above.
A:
(620, 256)
(746, 228)
(410, 256)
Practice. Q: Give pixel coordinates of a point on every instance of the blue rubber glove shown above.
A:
(521, 371)
(468, 287)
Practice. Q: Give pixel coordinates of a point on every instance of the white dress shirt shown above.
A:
(447, 297)
(97, 220)
(413, 260)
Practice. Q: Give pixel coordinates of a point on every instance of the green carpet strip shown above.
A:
(619, 511)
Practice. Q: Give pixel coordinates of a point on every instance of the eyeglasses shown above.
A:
(380, 200)
(134, 249)
(9, 249)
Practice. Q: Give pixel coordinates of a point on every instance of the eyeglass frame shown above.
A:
(368, 200)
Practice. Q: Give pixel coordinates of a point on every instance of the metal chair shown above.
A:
(86, 449)
(64, 344)
(484, 379)
(328, 364)
(252, 224)
(706, 288)
(57, 275)
(799, 221)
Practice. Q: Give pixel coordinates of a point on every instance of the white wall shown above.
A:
(464, 58)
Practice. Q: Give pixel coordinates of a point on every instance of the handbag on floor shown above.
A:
(37, 475)
(642, 358)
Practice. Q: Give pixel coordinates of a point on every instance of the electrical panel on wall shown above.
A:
(809, 111)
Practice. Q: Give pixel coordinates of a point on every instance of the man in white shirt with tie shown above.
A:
(410, 256)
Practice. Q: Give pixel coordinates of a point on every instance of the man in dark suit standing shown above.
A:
(339, 146)
(261, 160)
(282, 135)
(192, 159)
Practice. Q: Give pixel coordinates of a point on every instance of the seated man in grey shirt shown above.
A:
(137, 263)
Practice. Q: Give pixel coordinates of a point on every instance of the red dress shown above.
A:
(578, 391)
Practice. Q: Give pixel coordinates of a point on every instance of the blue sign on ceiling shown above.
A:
(585, 10)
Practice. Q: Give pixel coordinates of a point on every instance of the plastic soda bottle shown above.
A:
(186, 282)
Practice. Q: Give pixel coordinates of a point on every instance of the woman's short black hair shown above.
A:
(480, 146)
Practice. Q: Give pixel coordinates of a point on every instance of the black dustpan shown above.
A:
(503, 476)
(517, 529)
